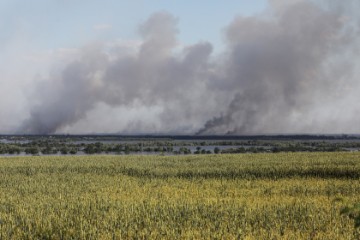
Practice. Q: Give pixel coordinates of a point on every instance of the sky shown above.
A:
(183, 67)
(63, 23)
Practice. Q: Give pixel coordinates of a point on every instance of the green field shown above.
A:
(245, 196)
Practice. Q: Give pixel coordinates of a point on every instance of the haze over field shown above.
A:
(287, 67)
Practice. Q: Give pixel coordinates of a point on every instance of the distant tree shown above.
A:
(216, 150)
(73, 151)
(34, 150)
(89, 149)
(47, 150)
(64, 150)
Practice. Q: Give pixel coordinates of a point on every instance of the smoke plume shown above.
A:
(290, 70)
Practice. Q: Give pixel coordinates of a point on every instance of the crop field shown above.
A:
(243, 196)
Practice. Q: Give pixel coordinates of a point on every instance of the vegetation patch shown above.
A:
(243, 196)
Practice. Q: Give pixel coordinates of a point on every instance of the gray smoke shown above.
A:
(281, 68)
(286, 71)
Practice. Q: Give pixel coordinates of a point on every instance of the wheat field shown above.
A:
(243, 196)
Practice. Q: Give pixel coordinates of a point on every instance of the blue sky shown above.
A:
(49, 24)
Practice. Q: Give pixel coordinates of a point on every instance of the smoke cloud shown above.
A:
(292, 69)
